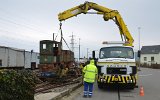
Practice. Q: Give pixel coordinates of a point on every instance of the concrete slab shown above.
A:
(46, 96)
(56, 95)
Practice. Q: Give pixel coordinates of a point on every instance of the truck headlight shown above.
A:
(129, 81)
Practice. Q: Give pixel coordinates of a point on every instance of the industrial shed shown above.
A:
(31, 59)
(18, 58)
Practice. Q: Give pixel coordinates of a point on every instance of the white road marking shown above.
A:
(146, 75)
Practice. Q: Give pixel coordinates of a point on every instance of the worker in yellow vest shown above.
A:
(90, 72)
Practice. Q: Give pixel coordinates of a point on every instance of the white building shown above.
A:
(31, 59)
(12, 57)
(150, 54)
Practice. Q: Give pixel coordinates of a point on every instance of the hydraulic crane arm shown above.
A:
(107, 14)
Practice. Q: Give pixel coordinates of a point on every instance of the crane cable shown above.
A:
(62, 38)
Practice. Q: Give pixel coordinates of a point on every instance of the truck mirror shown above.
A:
(139, 53)
(93, 54)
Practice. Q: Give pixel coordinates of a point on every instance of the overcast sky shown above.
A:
(23, 23)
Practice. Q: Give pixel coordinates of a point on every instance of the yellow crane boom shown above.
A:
(107, 14)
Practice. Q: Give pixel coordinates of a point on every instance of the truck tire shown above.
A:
(100, 86)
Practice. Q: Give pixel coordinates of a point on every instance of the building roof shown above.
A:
(12, 48)
(155, 49)
(16, 49)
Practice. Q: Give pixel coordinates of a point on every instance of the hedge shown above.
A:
(17, 85)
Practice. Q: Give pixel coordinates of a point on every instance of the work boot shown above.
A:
(90, 96)
(84, 96)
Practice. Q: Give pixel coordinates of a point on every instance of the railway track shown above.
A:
(48, 86)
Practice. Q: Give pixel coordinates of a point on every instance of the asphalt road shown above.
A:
(149, 79)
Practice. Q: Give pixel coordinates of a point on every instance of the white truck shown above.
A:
(116, 65)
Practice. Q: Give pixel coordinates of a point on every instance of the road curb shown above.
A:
(67, 92)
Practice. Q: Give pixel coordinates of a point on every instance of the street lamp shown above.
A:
(139, 28)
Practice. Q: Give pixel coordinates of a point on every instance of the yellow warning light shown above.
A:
(115, 42)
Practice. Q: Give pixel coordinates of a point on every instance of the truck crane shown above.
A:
(116, 64)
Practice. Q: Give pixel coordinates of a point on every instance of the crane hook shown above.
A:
(60, 25)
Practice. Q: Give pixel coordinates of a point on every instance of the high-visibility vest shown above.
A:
(90, 72)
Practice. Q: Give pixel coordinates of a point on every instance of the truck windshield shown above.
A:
(116, 52)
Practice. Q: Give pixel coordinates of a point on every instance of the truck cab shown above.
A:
(117, 67)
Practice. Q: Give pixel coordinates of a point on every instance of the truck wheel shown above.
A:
(131, 88)
(100, 86)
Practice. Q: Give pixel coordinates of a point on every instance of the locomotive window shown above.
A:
(55, 45)
(44, 46)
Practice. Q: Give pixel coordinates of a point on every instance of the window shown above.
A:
(152, 59)
(44, 46)
(55, 45)
(145, 58)
(116, 52)
(0, 62)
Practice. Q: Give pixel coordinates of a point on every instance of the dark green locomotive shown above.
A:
(53, 58)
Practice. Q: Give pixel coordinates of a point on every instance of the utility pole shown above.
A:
(79, 49)
(87, 53)
(139, 28)
(72, 42)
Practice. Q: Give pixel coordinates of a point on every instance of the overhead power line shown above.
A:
(21, 25)
(25, 21)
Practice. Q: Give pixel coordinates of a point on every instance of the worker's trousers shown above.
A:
(88, 88)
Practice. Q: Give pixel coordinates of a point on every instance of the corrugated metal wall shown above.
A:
(11, 57)
(4, 56)
(15, 58)
(31, 57)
